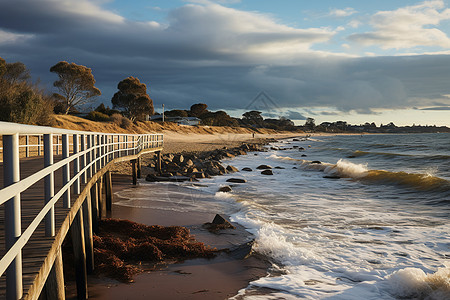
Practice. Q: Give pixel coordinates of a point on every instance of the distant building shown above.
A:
(192, 121)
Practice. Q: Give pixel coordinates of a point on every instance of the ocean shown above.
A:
(345, 217)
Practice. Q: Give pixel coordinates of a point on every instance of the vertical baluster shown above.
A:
(66, 170)
(88, 157)
(76, 166)
(83, 158)
(49, 185)
(27, 148)
(13, 230)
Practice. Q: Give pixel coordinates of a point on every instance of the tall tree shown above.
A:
(198, 109)
(75, 84)
(132, 98)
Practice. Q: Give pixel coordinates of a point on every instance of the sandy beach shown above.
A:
(218, 278)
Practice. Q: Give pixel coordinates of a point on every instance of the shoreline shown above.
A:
(218, 278)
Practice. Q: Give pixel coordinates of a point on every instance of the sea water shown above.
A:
(370, 221)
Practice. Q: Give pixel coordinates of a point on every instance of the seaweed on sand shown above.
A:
(121, 244)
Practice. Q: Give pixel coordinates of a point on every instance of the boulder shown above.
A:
(225, 189)
(247, 169)
(301, 149)
(198, 175)
(316, 162)
(304, 155)
(267, 172)
(229, 155)
(279, 168)
(188, 163)
(264, 167)
(236, 180)
(232, 169)
(218, 223)
(332, 177)
(178, 159)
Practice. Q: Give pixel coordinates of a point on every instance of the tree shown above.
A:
(310, 123)
(133, 99)
(75, 84)
(253, 118)
(16, 72)
(176, 113)
(198, 109)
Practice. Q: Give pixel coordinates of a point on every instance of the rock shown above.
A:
(264, 167)
(279, 168)
(242, 251)
(237, 180)
(295, 147)
(178, 159)
(294, 167)
(225, 189)
(316, 162)
(198, 175)
(218, 223)
(247, 169)
(304, 155)
(332, 177)
(168, 157)
(295, 140)
(229, 155)
(232, 169)
(351, 156)
(267, 172)
(301, 149)
(188, 163)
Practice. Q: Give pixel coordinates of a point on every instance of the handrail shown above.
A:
(90, 152)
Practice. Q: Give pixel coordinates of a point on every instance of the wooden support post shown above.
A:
(94, 206)
(158, 162)
(108, 190)
(54, 286)
(100, 198)
(138, 162)
(133, 171)
(88, 233)
(77, 233)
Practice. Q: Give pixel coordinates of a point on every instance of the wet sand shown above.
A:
(218, 278)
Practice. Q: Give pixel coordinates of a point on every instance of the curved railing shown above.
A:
(82, 155)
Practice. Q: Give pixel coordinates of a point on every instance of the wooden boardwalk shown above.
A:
(39, 253)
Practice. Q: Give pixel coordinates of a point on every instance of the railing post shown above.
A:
(76, 165)
(39, 145)
(13, 230)
(98, 153)
(88, 157)
(66, 170)
(57, 144)
(83, 158)
(49, 185)
(93, 156)
(27, 149)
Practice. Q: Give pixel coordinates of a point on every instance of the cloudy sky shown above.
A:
(350, 60)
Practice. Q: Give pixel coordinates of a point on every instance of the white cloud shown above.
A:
(407, 27)
(342, 12)
(8, 37)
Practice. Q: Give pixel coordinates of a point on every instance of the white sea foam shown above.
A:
(349, 169)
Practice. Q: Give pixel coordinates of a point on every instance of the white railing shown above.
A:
(83, 153)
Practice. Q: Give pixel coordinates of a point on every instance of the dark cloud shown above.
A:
(216, 55)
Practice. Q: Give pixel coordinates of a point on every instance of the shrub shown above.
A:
(121, 121)
(98, 116)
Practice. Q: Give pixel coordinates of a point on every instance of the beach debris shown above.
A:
(232, 169)
(121, 245)
(267, 172)
(263, 167)
(236, 180)
(247, 169)
(225, 189)
(219, 223)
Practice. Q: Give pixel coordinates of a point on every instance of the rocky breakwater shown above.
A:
(193, 166)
